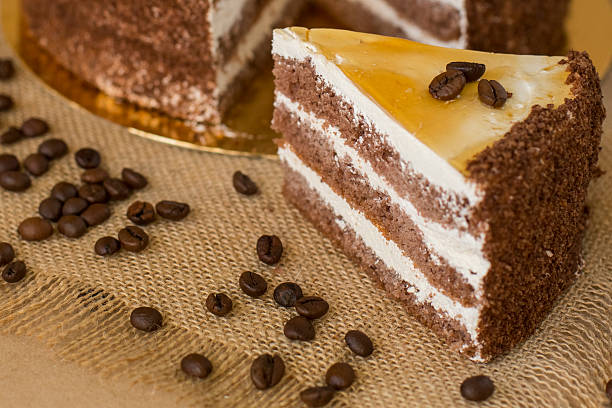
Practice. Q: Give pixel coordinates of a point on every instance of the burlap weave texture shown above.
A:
(80, 303)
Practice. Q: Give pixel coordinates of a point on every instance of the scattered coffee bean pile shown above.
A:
(12, 271)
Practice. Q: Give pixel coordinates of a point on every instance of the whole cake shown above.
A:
(191, 58)
(465, 199)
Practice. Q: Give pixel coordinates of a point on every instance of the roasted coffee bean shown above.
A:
(312, 307)
(146, 319)
(72, 226)
(133, 179)
(7, 253)
(53, 148)
(267, 371)
(243, 184)
(448, 85)
(269, 249)
(340, 376)
(117, 190)
(7, 69)
(253, 284)
(87, 158)
(609, 390)
(34, 127)
(133, 238)
(94, 176)
(93, 193)
(74, 206)
(172, 210)
(359, 343)
(14, 272)
(36, 164)
(35, 229)
(8, 162)
(10, 136)
(63, 191)
(219, 304)
(492, 93)
(286, 294)
(317, 396)
(141, 213)
(299, 328)
(96, 214)
(472, 70)
(107, 246)
(477, 388)
(50, 209)
(196, 365)
(15, 181)
(6, 102)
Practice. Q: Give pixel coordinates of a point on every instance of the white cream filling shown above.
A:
(390, 254)
(224, 16)
(461, 250)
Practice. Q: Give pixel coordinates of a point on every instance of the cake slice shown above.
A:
(471, 215)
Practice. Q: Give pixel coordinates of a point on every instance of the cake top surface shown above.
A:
(396, 74)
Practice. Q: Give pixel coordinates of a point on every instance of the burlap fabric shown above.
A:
(80, 303)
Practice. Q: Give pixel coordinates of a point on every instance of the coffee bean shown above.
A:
(312, 307)
(35, 229)
(63, 191)
(133, 179)
(609, 390)
(133, 238)
(7, 253)
(93, 193)
(107, 246)
(36, 164)
(6, 102)
(196, 365)
(219, 304)
(72, 226)
(34, 127)
(96, 214)
(472, 70)
(477, 388)
(74, 206)
(94, 176)
(15, 181)
(141, 213)
(492, 93)
(14, 272)
(87, 158)
(172, 210)
(50, 209)
(448, 85)
(340, 376)
(253, 284)
(146, 319)
(10, 136)
(317, 396)
(117, 190)
(53, 148)
(8, 162)
(267, 371)
(243, 184)
(359, 343)
(299, 328)
(7, 69)
(269, 249)
(286, 294)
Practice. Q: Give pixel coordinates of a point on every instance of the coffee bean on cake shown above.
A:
(473, 71)
(34, 127)
(74, 206)
(317, 396)
(219, 304)
(94, 176)
(53, 149)
(492, 93)
(107, 246)
(11, 135)
(287, 293)
(448, 85)
(243, 184)
(15, 181)
(253, 284)
(6, 102)
(63, 191)
(50, 209)
(267, 371)
(359, 343)
(96, 214)
(93, 193)
(311, 307)
(146, 319)
(8, 162)
(141, 213)
(7, 253)
(36, 164)
(133, 238)
(14, 272)
(477, 388)
(340, 376)
(72, 226)
(172, 210)
(35, 229)
(7, 69)
(87, 158)
(133, 179)
(196, 365)
(269, 249)
(299, 328)
(117, 190)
